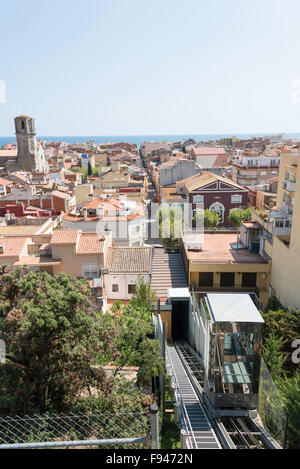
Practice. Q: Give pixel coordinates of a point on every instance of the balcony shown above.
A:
(286, 208)
(289, 186)
(275, 223)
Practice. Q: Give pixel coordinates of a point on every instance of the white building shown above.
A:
(124, 219)
(122, 269)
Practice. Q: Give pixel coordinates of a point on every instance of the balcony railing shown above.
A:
(286, 208)
(274, 225)
(289, 185)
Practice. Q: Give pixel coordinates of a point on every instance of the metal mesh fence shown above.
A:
(76, 427)
(292, 440)
(270, 406)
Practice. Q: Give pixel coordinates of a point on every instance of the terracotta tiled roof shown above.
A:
(64, 237)
(112, 205)
(127, 259)
(13, 245)
(209, 151)
(5, 182)
(197, 181)
(61, 195)
(90, 243)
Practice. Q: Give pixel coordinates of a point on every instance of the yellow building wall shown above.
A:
(71, 263)
(262, 281)
(285, 160)
(166, 316)
(285, 275)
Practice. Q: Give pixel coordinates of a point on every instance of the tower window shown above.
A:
(23, 125)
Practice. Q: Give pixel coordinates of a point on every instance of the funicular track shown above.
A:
(200, 433)
(233, 432)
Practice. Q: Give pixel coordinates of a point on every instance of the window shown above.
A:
(198, 199)
(227, 279)
(90, 270)
(131, 289)
(219, 209)
(236, 199)
(206, 279)
(249, 279)
(115, 288)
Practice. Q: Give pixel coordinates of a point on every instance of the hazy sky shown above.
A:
(118, 67)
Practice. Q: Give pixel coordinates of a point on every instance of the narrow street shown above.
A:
(151, 198)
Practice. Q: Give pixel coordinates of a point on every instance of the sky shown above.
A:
(136, 67)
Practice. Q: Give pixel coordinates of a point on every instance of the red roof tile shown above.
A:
(90, 243)
(64, 237)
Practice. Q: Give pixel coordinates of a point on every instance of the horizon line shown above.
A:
(166, 134)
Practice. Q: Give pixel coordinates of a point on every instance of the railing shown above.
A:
(288, 185)
(191, 440)
(160, 336)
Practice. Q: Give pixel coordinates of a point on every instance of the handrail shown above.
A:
(187, 423)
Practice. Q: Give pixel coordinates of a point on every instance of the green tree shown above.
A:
(82, 171)
(132, 342)
(238, 215)
(273, 355)
(290, 391)
(283, 323)
(89, 171)
(170, 221)
(210, 219)
(143, 296)
(52, 337)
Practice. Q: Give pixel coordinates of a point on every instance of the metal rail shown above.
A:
(200, 431)
(76, 443)
(191, 440)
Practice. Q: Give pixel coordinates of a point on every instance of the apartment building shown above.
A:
(280, 240)
(124, 218)
(278, 221)
(70, 251)
(209, 157)
(170, 172)
(254, 170)
(53, 200)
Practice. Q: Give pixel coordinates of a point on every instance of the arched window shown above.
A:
(23, 125)
(219, 209)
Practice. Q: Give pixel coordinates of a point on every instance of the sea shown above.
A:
(139, 139)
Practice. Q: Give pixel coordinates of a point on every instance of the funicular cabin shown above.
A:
(226, 331)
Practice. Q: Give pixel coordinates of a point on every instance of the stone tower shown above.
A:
(31, 156)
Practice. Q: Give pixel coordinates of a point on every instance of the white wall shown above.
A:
(127, 239)
(123, 280)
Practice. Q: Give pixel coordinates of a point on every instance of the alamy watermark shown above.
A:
(2, 92)
(2, 351)
(296, 353)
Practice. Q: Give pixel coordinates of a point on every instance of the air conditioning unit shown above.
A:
(104, 271)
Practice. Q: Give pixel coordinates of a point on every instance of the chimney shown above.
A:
(85, 214)
(100, 212)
